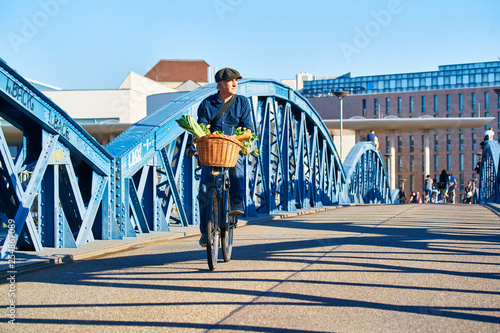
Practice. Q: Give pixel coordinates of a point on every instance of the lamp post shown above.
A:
(341, 95)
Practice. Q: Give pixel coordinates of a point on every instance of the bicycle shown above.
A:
(220, 224)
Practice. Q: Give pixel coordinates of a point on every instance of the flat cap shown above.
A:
(227, 74)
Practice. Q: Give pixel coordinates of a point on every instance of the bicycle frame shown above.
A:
(222, 228)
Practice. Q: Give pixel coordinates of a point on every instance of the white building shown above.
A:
(127, 104)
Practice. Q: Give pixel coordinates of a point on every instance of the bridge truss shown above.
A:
(489, 177)
(64, 189)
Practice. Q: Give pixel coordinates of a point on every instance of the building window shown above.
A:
(461, 186)
(461, 162)
(412, 187)
(412, 143)
(436, 143)
(448, 102)
(486, 115)
(387, 144)
(448, 162)
(375, 106)
(474, 161)
(436, 163)
(364, 107)
(423, 144)
(474, 141)
(486, 100)
(400, 164)
(474, 102)
(423, 104)
(448, 142)
(411, 104)
(387, 106)
(461, 102)
(498, 101)
(435, 103)
(400, 144)
(399, 104)
(461, 141)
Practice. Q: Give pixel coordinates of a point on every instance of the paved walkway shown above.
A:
(382, 268)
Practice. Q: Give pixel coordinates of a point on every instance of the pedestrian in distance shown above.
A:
(488, 135)
(402, 196)
(428, 188)
(373, 138)
(415, 197)
(468, 193)
(452, 184)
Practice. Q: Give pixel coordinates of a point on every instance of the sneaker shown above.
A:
(237, 208)
(203, 240)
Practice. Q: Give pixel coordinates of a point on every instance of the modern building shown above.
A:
(454, 91)
(300, 78)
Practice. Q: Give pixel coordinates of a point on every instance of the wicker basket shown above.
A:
(218, 150)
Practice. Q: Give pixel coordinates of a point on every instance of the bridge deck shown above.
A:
(362, 268)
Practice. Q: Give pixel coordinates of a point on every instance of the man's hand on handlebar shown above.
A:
(191, 150)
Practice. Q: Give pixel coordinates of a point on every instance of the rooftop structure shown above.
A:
(482, 74)
(174, 73)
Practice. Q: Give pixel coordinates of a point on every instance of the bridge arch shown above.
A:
(366, 174)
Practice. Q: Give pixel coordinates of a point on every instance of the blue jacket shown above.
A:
(238, 115)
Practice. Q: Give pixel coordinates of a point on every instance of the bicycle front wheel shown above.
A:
(227, 238)
(213, 230)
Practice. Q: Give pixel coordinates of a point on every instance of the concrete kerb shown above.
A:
(42, 261)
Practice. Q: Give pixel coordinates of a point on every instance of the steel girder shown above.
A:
(489, 188)
(367, 178)
(51, 192)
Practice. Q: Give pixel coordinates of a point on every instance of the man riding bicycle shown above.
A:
(237, 114)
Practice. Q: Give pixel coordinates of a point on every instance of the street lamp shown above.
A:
(341, 95)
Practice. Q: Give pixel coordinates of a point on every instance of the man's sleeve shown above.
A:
(202, 114)
(246, 114)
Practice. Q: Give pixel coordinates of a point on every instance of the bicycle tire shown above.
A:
(213, 230)
(227, 239)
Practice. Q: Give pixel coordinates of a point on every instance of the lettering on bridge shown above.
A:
(20, 94)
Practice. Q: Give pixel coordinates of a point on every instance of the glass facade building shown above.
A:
(482, 74)
(454, 91)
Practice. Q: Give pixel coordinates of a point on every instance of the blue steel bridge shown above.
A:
(64, 189)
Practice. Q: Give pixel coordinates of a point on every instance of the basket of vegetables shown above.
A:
(218, 149)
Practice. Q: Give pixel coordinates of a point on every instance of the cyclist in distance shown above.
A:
(238, 114)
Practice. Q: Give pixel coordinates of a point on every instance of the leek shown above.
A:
(189, 124)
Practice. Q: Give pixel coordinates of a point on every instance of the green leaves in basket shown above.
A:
(247, 144)
(189, 124)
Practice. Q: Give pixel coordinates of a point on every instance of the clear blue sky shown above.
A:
(94, 44)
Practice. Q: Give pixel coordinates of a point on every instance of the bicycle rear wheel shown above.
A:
(213, 230)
